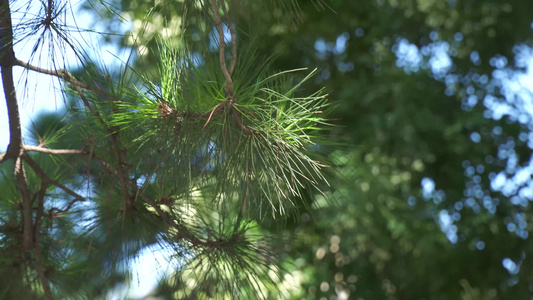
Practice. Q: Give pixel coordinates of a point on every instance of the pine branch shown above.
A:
(264, 150)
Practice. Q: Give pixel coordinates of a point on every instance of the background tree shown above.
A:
(189, 155)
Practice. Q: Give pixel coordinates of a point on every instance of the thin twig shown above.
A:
(89, 106)
(212, 112)
(69, 206)
(233, 38)
(221, 50)
(106, 165)
(42, 174)
(121, 169)
(63, 74)
(28, 148)
(89, 163)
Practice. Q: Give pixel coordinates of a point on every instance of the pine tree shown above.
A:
(190, 156)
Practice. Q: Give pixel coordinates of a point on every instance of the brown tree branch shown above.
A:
(28, 148)
(26, 203)
(7, 58)
(15, 133)
(14, 150)
(37, 248)
(49, 10)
